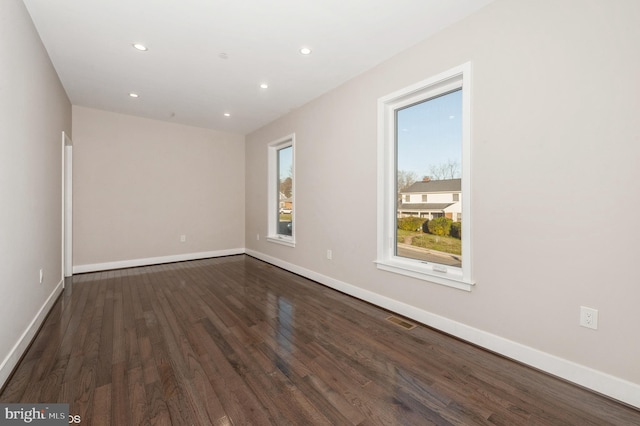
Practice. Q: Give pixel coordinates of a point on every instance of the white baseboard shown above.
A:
(79, 269)
(597, 381)
(12, 359)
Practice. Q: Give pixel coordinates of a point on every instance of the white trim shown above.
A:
(79, 269)
(595, 380)
(282, 239)
(461, 278)
(408, 268)
(273, 190)
(62, 209)
(67, 210)
(12, 359)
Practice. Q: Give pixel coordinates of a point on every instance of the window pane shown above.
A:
(285, 193)
(429, 163)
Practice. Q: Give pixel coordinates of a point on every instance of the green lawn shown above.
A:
(433, 242)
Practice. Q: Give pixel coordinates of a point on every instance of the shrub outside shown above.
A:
(440, 226)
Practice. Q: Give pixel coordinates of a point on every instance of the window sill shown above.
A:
(279, 239)
(449, 278)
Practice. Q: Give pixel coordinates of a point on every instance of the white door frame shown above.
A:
(67, 206)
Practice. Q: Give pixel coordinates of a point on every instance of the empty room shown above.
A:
(319, 212)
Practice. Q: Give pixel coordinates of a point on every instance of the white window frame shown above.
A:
(461, 278)
(273, 191)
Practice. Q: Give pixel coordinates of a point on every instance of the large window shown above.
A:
(281, 191)
(424, 150)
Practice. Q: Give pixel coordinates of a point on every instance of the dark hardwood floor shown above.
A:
(235, 341)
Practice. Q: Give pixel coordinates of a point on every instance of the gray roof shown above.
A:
(424, 206)
(446, 185)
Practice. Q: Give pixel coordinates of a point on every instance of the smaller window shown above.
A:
(424, 198)
(281, 191)
(456, 197)
(407, 198)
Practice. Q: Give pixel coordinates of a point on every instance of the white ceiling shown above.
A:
(182, 78)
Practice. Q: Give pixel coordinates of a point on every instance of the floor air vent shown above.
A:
(402, 323)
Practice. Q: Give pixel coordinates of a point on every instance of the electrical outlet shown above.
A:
(257, 237)
(589, 317)
(329, 254)
(183, 238)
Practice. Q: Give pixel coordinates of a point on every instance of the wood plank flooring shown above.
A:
(235, 341)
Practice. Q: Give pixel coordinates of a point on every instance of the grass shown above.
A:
(432, 242)
(402, 233)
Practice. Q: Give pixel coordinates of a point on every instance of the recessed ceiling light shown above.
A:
(226, 114)
(305, 51)
(264, 86)
(133, 95)
(140, 47)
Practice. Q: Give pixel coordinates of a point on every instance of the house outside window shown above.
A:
(444, 197)
(424, 130)
(281, 191)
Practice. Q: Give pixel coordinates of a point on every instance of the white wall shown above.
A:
(434, 198)
(34, 110)
(140, 184)
(555, 104)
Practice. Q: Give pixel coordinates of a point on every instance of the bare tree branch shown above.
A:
(448, 170)
(406, 179)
